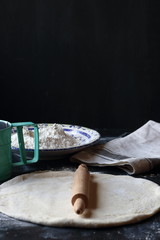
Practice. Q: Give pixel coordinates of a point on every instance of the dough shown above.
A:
(45, 198)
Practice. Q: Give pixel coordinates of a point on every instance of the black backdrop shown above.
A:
(93, 63)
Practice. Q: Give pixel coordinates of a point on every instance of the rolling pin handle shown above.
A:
(79, 206)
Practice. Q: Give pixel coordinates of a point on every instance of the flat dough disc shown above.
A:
(45, 198)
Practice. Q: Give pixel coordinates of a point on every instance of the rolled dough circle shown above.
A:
(45, 198)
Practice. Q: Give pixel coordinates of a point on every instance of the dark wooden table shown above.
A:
(11, 229)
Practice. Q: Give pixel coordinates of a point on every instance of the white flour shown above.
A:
(50, 137)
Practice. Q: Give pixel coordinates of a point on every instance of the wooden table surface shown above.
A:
(11, 229)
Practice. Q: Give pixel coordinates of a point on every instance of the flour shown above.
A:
(51, 136)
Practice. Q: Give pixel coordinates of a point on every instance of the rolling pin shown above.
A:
(80, 189)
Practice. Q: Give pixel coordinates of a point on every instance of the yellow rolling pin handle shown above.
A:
(80, 191)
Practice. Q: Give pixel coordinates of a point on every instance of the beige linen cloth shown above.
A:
(135, 153)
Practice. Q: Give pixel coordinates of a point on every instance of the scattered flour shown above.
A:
(51, 136)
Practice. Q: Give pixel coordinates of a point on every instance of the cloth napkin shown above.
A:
(136, 153)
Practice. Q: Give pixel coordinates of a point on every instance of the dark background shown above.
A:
(93, 63)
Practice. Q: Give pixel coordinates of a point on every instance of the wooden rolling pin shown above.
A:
(80, 189)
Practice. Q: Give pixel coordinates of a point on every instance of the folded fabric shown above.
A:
(135, 153)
